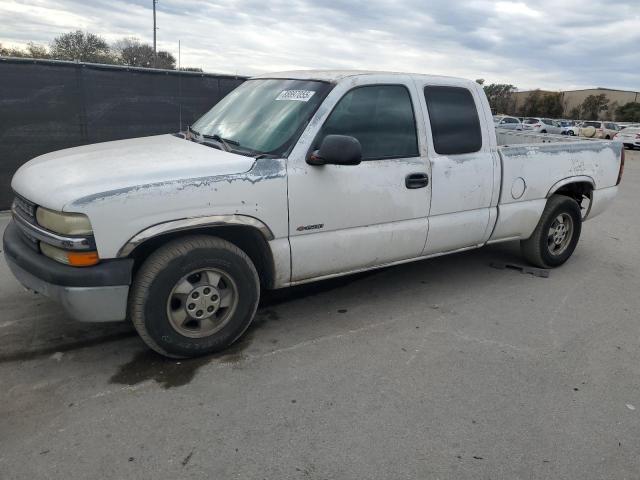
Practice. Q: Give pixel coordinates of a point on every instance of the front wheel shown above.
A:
(193, 296)
(557, 234)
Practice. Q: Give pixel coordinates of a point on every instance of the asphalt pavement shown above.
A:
(446, 368)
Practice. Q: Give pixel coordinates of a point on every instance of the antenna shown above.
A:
(155, 53)
(179, 87)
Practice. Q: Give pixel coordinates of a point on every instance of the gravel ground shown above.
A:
(445, 368)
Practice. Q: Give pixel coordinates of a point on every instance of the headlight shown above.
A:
(63, 223)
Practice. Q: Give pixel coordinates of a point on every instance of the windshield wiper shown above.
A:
(218, 138)
(223, 141)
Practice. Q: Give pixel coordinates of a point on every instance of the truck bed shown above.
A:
(560, 156)
(536, 165)
(512, 137)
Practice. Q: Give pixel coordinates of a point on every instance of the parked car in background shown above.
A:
(566, 126)
(541, 125)
(630, 136)
(622, 126)
(575, 129)
(604, 130)
(507, 122)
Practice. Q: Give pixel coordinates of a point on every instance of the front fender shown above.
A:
(193, 223)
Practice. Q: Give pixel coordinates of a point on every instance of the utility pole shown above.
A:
(155, 52)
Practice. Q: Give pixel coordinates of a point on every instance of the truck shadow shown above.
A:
(170, 373)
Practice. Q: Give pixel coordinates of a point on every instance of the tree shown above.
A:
(543, 104)
(81, 46)
(593, 105)
(136, 54)
(531, 105)
(574, 113)
(629, 112)
(166, 61)
(37, 51)
(500, 96)
(612, 109)
(33, 50)
(551, 105)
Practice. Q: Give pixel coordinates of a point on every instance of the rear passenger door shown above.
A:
(464, 167)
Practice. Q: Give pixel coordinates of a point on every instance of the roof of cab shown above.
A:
(337, 75)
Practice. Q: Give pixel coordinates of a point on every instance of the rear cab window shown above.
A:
(455, 124)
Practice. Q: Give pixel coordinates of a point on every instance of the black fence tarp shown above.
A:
(49, 105)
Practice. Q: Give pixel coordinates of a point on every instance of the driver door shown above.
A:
(345, 218)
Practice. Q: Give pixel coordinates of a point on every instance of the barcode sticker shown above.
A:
(297, 95)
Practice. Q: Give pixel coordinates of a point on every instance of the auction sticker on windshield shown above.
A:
(297, 95)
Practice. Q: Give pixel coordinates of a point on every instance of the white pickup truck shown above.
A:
(293, 177)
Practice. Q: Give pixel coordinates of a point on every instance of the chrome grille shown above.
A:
(24, 207)
(27, 211)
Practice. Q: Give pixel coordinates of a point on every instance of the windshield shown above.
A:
(262, 116)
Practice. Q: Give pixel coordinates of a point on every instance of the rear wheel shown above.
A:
(193, 296)
(557, 234)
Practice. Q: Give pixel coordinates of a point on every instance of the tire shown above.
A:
(166, 285)
(542, 249)
(571, 133)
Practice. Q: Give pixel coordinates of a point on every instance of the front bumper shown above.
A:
(89, 294)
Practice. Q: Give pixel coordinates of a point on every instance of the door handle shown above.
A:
(416, 180)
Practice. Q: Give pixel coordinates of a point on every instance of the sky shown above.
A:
(549, 44)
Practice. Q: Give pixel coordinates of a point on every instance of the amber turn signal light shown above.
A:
(83, 259)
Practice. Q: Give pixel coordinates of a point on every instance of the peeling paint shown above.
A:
(263, 169)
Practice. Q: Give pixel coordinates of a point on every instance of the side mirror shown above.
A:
(337, 150)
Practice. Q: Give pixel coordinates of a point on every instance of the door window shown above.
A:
(381, 118)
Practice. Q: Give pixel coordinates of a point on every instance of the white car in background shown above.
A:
(541, 125)
(604, 130)
(630, 136)
(507, 122)
(566, 126)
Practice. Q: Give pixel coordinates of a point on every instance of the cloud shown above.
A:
(550, 44)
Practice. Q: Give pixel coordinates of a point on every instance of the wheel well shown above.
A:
(576, 190)
(248, 239)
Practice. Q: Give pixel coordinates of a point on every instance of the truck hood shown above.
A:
(56, 179)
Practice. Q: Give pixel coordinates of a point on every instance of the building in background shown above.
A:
(573, 99)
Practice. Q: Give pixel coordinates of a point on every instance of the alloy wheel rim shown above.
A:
(560, 234)
(202, 302)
